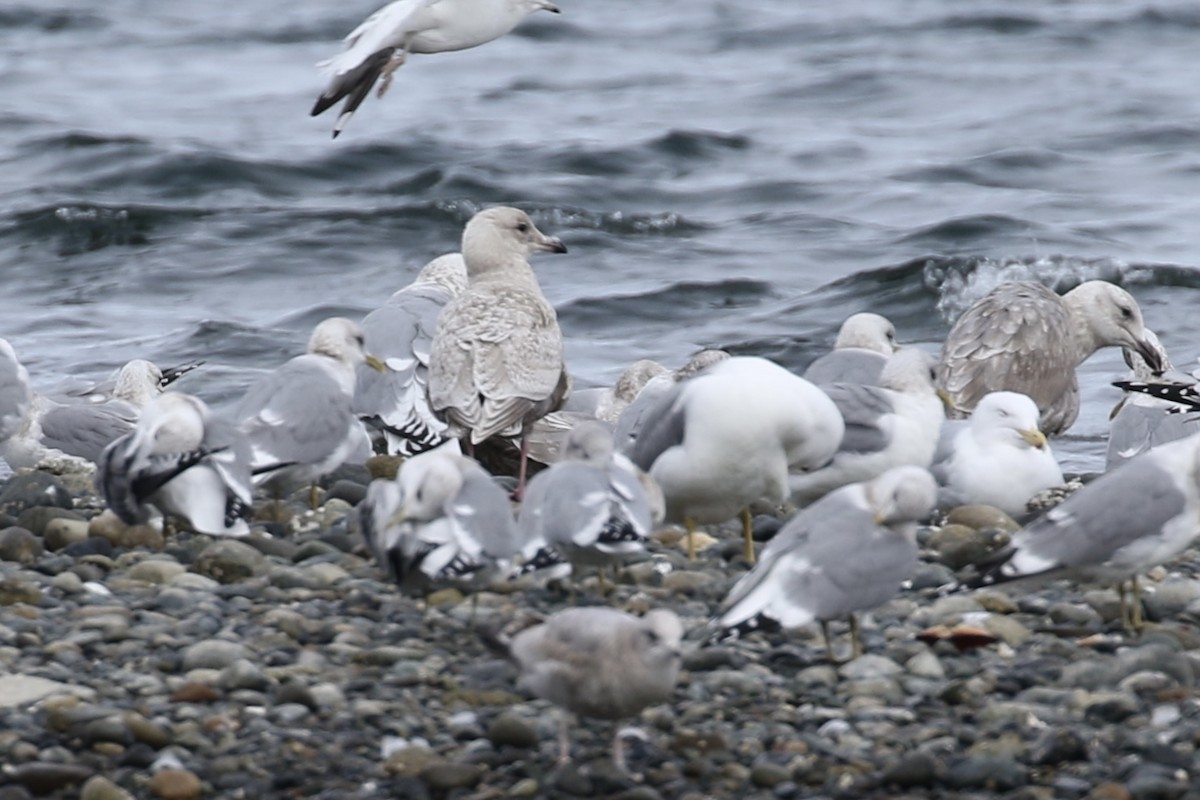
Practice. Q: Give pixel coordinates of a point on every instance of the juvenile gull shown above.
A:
(497, 357)
(607, 402)
(864, 343)
(890, 425)
(299, 419)
(598, 662)
(1022, 337)
(847, 552)
(379, 46)
(728, 436)
(998, 457)
(180, 460)
(1132, 518)
(442, 522)
(1154, 409)
(400, 334)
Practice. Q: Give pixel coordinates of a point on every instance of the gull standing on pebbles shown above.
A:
(629, 421)
(400, 334)
(598, 662)
(727, 437)
(299, 419)
(378, 47)
(1147, 416)
(1022, 337)
(497, 357)
(998, 457)
(847, 552)
(1128, 520)
(889, 425)
(606, 403)
(183, 461)
(864, 344)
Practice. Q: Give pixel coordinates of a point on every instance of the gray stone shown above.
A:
(36, 518)
(229, 561)
(15, 590)
(1110, 706)
(155, 570)
(1170, 598)
(243, 674)
(916, 768)
(31, 489)
(21, 690)
(100, 788)
(509, 730)
(982, 517)
(986, 772)
(1056, 745)
(290, 713)
(20, 546)
(61, 532)
(108, 526)
(213, 654)
(870, 666)
(1074, 614)
(768, 774)
(42, 777)
(446, 775)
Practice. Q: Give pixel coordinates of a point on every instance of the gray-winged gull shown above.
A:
(606, 403)
(728, 436)
(380, 45)
(629, 421)
(181, 460)
(598, 662)
(1128, 520)
(100, 391)
(1147, 416)
(847, 552)
(497, 357)
(400, 334)
(998, 457)
(442, 522)
(862, 348)
(299, 419)
(1022, 337)
(890, 425)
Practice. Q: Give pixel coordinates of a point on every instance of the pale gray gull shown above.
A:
(729, 435)
(998, 457)
(1132, 518)
(598, 662)
(497, 358)
(379, 46)
(849, 551)
(1154, 409)
(400, 334)
(1022, 337)
(862, 348)
(629, 421)
(299, 419)
(103, 390)
(894, 424)
(180, 460)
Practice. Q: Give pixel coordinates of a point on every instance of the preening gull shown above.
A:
(588, 507)
(1128, 520)
(180, 460)
(998, 457)
(497, 357)
(400, 334)
(1022, 337)
(299, 419)
(864, 343)
(379, 46)
(606, 403)
(629, 421)
(598, 662)
(890, 425)
(728, 436)
(847, 552)
(442, 522)
(1154, 410)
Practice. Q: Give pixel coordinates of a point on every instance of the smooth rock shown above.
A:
(981, 517)
(156, 570)
(109, 527)
(446, 775)
(20, 546)
(34, 488)
(61, 533)
(175, 784)
(510, 730)
(243, 674)
(42, 777)
(229, 561)
(869, 665)
(957, 545)
(915, 768)
(36, 519)
(213, 654)
(100, 788)
(15, 590)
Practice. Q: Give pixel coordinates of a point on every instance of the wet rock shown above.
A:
(446, 775)
(31, 489)
(1110, 707)
(15, 590)
(986, 772)
(870, 666)
(916, 768)
(1155, 782)
(351, 492)
(62, 532)
(100, 788)
(20, 546)
(243, 674)
(155, 570)
(982, 517)
(41, 777)
(768, 774)
(213, 654)
(1170, 598)
(36, 519)
(229, 561)
(1056, 745)
(109, 527)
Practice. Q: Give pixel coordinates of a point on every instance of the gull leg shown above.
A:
(1135, 613)
(690, 525)
(520, 493)
(385, 77)
(600, 579)
(564, 741)
(1126, 623)
(748, 534)
(855, 637)
(828, 642)
(470, 447)
(312, 496)
(618, 749)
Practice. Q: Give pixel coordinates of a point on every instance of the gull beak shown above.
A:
(553, 9)
(881, 518)
(376, 364)
(552, 244)
(1117, 409)
(1150, 355)
(947, 403)
(1034, 437)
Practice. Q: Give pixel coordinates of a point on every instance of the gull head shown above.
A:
(867, 332)
(1011, 415)
(1113, 318)
(175, 421)
(138, 382)
(497, 237)
(590, 442)
(663, 633)
(635, 377)
(342, 340)
(901, 495)
(910, 371)
(427, 484)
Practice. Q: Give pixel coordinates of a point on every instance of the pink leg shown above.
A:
(619, 752)
(520, 493)
(564, 741)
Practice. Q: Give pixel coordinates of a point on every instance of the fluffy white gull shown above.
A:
(864, 343)
(400, 334)
(1022, 337)
(598, 662)
(442, 522)
(180, 460)
(1128, 520)
(1154, 409)
(589, 507)
(847, 552)
(890, 425)
(497, 358)
(998, 457)
(15, 393)
(299, 419)
(629, 421)
(380, 45)
(728, 436)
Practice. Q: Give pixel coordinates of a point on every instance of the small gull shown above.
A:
(497, 358)
(864, 343)
(890, 425)
(998, 457)
(379, 46)
(1022, 337)
(299, 419)
(1146, 416)
(442, 522)
(728, 436)
(629, 421)
(1130, 519)
(598, 662)
(181, 460)
(849, 551)
(400, 334)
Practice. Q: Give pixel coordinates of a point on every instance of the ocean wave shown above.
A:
(50, 20)
(83, 227)
(675, 302)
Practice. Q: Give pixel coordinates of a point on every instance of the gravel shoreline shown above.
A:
(134, 664)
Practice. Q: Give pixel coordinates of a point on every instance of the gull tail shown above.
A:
(731, 633)
(354, 85)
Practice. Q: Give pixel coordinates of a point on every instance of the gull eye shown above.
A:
(523, 227)
(1126, 312)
